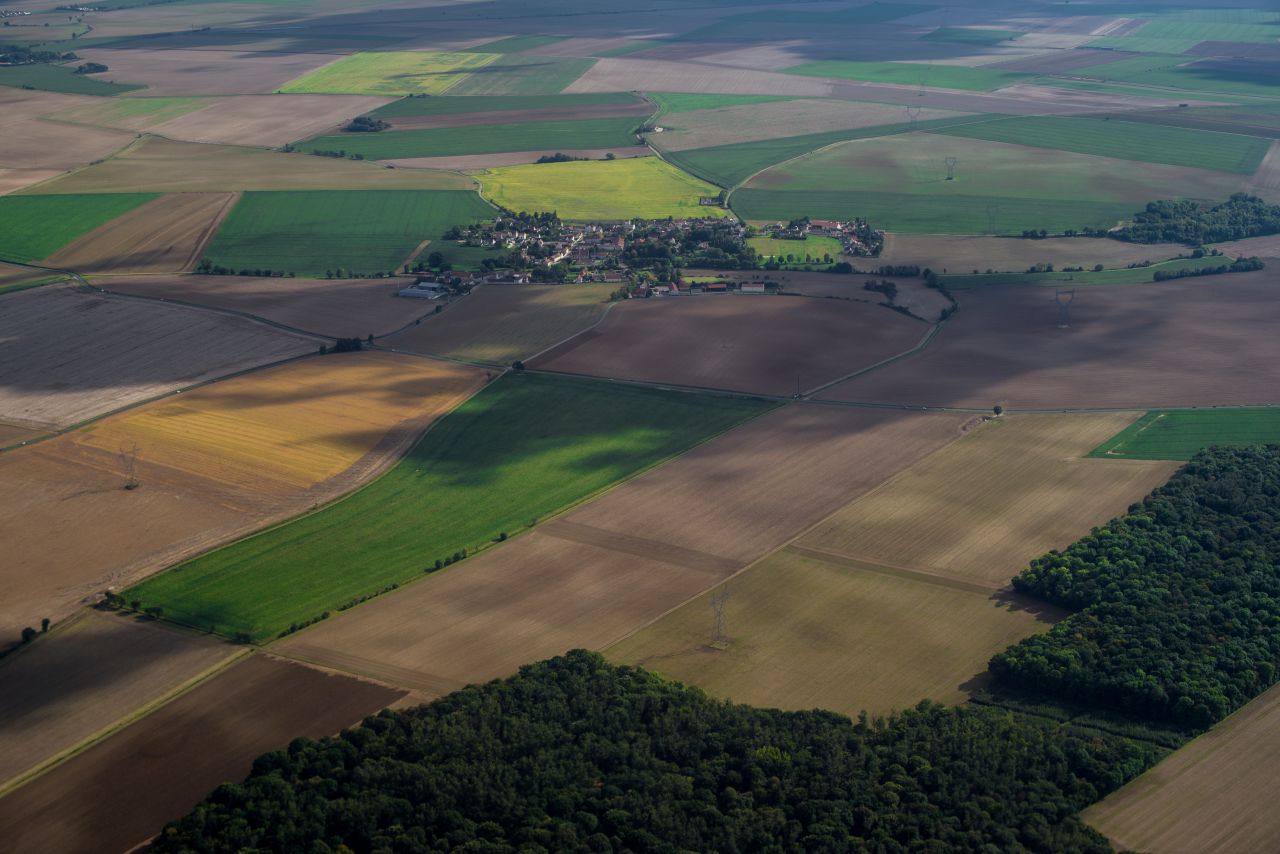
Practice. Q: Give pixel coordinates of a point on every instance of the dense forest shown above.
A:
(1179, 599)
(574, 754)
(1188, 222)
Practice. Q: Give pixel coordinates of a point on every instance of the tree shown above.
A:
(998, 409)
(44, 625)
(517, 366)
(435, 259)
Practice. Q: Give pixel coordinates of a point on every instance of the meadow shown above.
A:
(815, 247)
(1147, 143)
(522, 449)
(483, 139)
(1177, 434)
(319, 231)
(449, 105)
(911, 74)
(60, 78)
(620, 189)
(35, 227)
(391, 73)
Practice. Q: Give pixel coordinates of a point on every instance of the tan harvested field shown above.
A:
(1195, 342)
(1053, 98)
(204, 72)
(925, 303)
(1263, 247)
(512, 117)
(1215, 794)
(1019, 100)
(166, 235)
(120, 792)
(654, 75)
(67, 354)
(163, 165)
(760, 57)
(979, 511)
(12, 180)
(807, 632)
(725, 125)
(338, 308)
(88, 675)
(267, 120)
(12, 434)
(609, 567)
(758, 344)
(501, 323)
(32, 143)
(214, 464)
(464, 162)
(964, 253)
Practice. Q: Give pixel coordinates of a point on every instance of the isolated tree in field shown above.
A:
(435, 259)
(998, 409)
(44, 624)
(129, 462)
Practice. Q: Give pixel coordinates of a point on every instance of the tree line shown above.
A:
(1190, 222)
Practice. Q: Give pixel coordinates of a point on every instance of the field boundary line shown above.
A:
(212, 229)
(908, 573)
(17, 782)
(601, 319)
(924, 342)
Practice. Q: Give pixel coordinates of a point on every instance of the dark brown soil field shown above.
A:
(604, 570)
(337, 307)
(120, 792)
(1199, 342)
(760, 344)
(553, 114)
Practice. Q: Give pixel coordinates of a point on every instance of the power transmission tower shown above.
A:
(1064, 300)
(719, 601)
(913, 118)
(129, 461)
(952, 162)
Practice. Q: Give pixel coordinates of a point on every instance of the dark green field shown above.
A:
(484, 139)
(61, 78)
(34, 227)
(446, 105)
(312, 233)
(1179, 433)
(520, 450)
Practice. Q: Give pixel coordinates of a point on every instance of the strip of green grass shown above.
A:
(313, 232)
(34, 227)
(484, 139)
(1119, 276)
(911, 74)
(1178, 434)
(522, 449)
(60, 78)
(448, 105)
(730, 165)
(965, 35)
(680, 102)
(1146, 143)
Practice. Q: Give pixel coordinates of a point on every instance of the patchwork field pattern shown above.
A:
(204, 72)
(499, 324)
(180, 753)
(1179, 433)
(266, 120)
(526, 447)
(391, 73)
(613, 565)
(33, 149)
(523, 75)
(35, 227)
(58, 78)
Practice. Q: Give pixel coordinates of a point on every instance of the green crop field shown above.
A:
(484, 139)
(911, 74)
(966, 35)
(115, 111)
(522, 449)
(312, 232)
(391, 73)
(524, 75)
(730, 165)
(1191, 74)
(1178, 434)
(679, 102)
(1173, 30)
(815, 247)
(1136, 91)
(1118, 276)
(448, 105)
(616, 189)
(900, 184)
(60, 78)
(34, 227)
(1147, 143)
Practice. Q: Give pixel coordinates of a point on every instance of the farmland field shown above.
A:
(908, 74)
(315, 232)
(130, 113)
(499, 324)
(162, 236)
(762, 345)
(1085, 278)
(970, 35)
(523, 75)
(118, 793)
(1179, 434)
(525, 448)
(960, 254)
(1125, 140)
(266, 120)
(1205, 76)
(1212, 795)
(75, 531)
(33, 227)
(166, 166)
(1188, 343)
(483, 139)
(610, 566)
(204, 72)
(59, 78)
(391, 73)
(621, 189)
(680, 102)
(655, 75)
(87, 675)
(810, 247)
(37, 149)
(450, 105)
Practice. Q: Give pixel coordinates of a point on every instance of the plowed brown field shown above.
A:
(214, 464)
(1215, 794)
(611, 566)
(512, 117)
(204, 72)
(120, 792)
(32, 143)
(655, 75)
(962, 253)
(87, 675)
(267, 120)
(166, 235)
(761, 344)
(339, 308)
(1197, 342)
